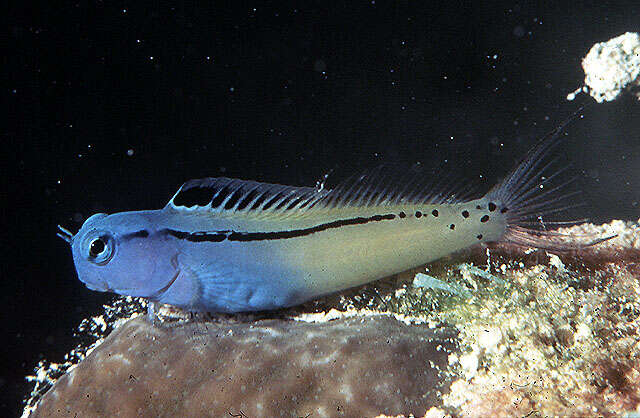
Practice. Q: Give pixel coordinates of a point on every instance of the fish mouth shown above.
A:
(99, 288)
(128, 291)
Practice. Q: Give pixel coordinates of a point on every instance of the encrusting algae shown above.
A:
(560, 338)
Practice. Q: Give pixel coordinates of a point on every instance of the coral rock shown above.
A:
(353, 366)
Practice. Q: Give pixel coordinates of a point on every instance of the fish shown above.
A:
(229, 245)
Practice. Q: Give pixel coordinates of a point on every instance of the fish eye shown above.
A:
(100, 249)
(97, 247)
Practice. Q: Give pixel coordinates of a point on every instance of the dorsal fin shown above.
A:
(218, 194)
(382, 186)
(387, 185)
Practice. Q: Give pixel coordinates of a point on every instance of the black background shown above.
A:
(279, 92)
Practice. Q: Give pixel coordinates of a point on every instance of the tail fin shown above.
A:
(532, 191)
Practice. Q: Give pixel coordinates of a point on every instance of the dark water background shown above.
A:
(110, 106)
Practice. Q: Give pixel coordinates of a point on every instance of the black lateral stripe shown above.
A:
(200, 236)
(219, 236)
(259, 236)
(207, 237)
(143, 233)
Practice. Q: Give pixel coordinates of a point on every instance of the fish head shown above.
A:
(119, 253)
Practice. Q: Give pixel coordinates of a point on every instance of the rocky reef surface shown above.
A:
(350, 366)
(491, 331)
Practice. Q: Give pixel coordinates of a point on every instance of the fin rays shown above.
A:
(530, 194)
(379, 187)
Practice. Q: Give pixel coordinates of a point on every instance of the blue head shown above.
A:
(120, 253)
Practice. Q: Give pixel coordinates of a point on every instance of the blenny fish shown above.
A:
(229, 245)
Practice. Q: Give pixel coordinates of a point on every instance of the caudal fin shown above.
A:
(536, 193)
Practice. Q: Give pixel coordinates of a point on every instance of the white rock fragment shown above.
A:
(554, 261)
(469, 363)
(583, 332)
(611, 67)
(490, 339)
(453, 359)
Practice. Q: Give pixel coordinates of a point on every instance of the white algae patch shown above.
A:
(611, 67)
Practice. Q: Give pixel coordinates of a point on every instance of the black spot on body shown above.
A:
(435, 212)
(484, 219)
(465, 213)
(418, 214)
(402, 215)
(478, 207)
(452, 227)
(479, 236)
(492, 206)
(504, 210)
